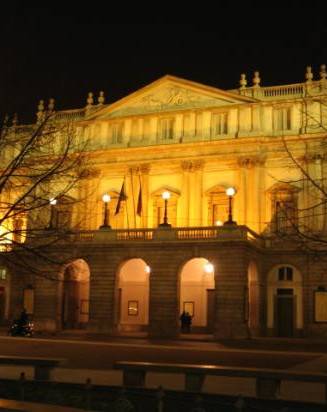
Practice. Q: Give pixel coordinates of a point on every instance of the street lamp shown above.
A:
(165, 196)
(53, 201)
(230, 192)
(106, 199)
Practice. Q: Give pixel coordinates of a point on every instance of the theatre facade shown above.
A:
(192, 203)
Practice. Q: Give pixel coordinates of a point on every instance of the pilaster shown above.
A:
(192, 187)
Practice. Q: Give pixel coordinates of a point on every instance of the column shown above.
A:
(192, 193)
(183, 219)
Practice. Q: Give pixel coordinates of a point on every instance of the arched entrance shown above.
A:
(75, 291)
(132, 299)
(252, 309)
(197, 294)
(284, 302)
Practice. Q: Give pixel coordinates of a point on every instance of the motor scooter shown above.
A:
(18, 329)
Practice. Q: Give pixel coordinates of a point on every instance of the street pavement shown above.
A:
(93, 356)
(83, 350)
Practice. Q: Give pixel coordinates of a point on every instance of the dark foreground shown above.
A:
(101, 398)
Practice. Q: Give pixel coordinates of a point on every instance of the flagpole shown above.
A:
(131, 170)
(139, 201)
(127, 210)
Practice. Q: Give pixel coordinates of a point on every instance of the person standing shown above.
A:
(188, 322)
(182, 318)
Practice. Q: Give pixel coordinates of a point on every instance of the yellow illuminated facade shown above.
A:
(195, 142)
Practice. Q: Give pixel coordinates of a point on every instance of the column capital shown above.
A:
(143, 168)
(249, 162)
(90, 173)
(192, 165)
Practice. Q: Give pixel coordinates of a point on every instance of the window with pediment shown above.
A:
(219, 124)
(284, 206)
(217, 206)
(159, 207)
(19, 228)
(116, 215)
(166, 128)
(62, 213)
(282, 118)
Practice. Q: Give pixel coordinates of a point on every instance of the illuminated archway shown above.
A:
(197, 284)
(132, 298)
(75, 292)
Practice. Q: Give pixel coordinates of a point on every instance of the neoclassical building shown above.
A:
(169, 236)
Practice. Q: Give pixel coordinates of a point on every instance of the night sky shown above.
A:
(47, 53)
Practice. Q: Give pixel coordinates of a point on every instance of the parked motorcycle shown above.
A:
(18, 329)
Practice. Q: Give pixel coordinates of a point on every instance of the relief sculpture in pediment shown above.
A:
(170, 98)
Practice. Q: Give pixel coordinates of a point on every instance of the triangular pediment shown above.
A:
(170, 94)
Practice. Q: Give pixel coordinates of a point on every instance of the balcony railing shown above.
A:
(221, 233)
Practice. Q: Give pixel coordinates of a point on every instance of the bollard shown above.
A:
(240, 404)
(22, 380)
(88, 388)
(160, 397)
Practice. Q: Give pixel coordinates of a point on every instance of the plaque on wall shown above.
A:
(133, 308)
(320, 305)
(189, 307)
(84, 308)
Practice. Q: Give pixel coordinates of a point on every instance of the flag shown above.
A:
(121, 198)
(139, 202)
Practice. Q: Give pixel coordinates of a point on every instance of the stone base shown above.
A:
(46, 325)
(231, 331)
(163, 329)
(99, 326)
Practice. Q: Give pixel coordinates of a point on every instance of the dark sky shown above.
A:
(47, 53)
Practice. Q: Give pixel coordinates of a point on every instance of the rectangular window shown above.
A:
(146, 128)
(219, 124)
(135, 128)
(187, 126)
(116, 133)
(282, 118)
(166, 129)
(198, 124)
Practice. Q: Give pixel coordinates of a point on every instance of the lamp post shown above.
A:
(230, 192)
(165, 196)
(106, 199)
(53, 201)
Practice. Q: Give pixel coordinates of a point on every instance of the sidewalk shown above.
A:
(313, 345)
